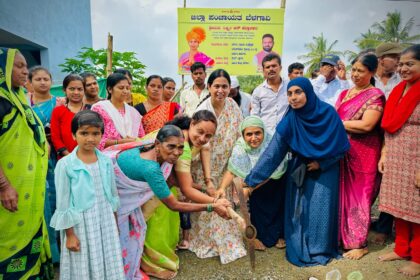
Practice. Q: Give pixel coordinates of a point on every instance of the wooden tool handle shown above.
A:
(237, 218)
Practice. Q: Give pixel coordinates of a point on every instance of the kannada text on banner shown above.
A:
(233, 39)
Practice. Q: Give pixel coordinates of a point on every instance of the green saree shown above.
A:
(162, 236)
(24, 247)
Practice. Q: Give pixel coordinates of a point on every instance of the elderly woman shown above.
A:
(210, 235)
(400, 195)
(159, 258)
(122, 122)
(360, 108)
(24, 248)
(314, 133)
(266, 204)
(141, 171)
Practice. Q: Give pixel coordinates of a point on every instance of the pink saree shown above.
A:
(359, 178)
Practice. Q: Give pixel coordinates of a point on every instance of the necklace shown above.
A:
(354, 92)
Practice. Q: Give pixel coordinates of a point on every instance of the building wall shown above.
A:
(58, 29)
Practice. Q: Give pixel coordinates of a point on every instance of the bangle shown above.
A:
(4, 183)
(203, 189)
(116, 142)
(209, 208)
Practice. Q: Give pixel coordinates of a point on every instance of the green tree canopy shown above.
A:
(94, 61)
(391, 29)
(317, 50)
(249, 82)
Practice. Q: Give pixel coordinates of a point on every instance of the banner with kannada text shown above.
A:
(233, 39)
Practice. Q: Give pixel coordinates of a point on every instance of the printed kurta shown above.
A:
(399, 195)
(212, 235)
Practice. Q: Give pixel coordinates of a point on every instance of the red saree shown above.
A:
(158, 116)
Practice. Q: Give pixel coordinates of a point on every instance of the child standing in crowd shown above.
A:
(86, 201)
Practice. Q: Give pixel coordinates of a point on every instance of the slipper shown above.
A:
(183, 245)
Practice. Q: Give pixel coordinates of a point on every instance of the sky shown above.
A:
(149, 27)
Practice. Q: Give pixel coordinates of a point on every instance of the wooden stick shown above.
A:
(237, 218)
(109, 55)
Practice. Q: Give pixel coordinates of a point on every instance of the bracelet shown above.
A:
(3, 182)
(203, 189)
(209, 208)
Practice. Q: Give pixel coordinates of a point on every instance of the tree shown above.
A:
(94, 61)
(369, 40)
(391, 29)
(318, 49)
(249, 82)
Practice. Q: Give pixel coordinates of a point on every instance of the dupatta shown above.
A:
(127, 125)
(399, 108)
(348, 110)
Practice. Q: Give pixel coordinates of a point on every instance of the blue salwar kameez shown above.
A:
(311, 211)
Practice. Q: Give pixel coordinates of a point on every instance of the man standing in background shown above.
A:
(386, 77)
(192, 96)
(269, 100)
(243, 99)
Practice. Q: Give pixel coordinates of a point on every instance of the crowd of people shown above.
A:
(109, 189)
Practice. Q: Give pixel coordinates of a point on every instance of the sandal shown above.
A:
(258, 245)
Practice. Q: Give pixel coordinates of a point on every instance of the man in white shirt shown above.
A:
(269, 100)
(243, 99)
(192, 96)
(327, 86)
(386, 77)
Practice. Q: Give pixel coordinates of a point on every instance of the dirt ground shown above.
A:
(272, 264)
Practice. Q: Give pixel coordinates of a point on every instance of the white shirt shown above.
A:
(329, 92)
(189, 100)
(392, 82)
(268, 104)
(245, 104)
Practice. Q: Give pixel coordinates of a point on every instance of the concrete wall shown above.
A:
(57, 29)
